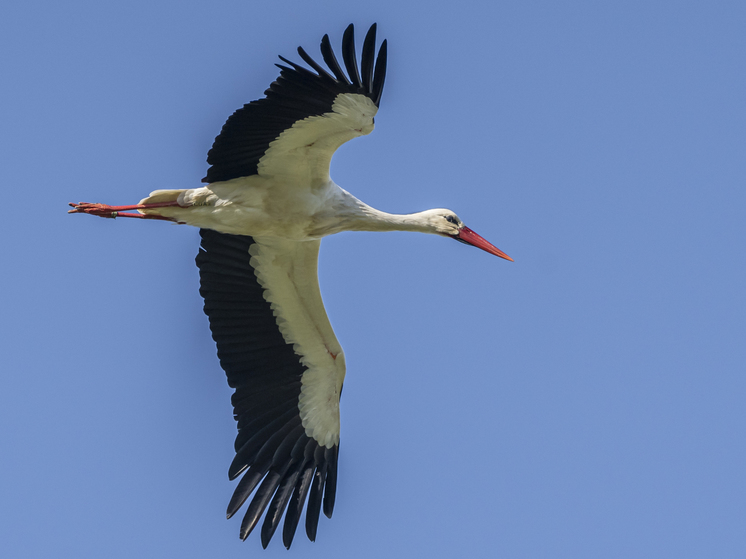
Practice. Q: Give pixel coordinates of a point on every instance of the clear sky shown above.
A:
(585, 401)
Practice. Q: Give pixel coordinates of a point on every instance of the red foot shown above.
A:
(103, 210)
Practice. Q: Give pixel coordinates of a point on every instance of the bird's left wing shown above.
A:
(279, 352)
(306, 115)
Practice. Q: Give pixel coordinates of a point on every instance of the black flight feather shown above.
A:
(368, 57)
(296, 503)
(327, 53)
(314, 502)
(380, 74)
(349, 56)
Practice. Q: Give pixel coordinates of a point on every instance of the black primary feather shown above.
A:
(368, 57)
(349, 56)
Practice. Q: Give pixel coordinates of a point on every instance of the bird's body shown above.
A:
(268, 203)
(268, 208)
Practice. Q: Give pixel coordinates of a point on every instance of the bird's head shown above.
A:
(447, 223)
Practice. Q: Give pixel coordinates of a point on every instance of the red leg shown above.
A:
(103, 210)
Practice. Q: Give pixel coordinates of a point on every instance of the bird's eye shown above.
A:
(450, 219)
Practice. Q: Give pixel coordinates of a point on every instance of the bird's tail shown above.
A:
(160, 196)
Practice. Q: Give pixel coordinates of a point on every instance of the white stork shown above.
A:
(268, 202)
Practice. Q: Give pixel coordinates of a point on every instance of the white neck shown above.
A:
(372, 219)
(354, 215)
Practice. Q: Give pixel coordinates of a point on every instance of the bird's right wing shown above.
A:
(306, 115)
(279, 352)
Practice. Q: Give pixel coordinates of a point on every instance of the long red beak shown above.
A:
(466, 235)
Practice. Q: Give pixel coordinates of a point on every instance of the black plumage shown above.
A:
(272, 448)
(297, 94)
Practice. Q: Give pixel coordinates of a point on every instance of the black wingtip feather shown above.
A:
(331, 60)
(368, 58)
(313, 509)
(295, 507)
(330, 491)
(278, 504)
(260, 502)
(349, 56)
(244, 488)
(315, 65)
(380, 73)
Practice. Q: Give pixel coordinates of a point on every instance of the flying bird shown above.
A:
(267, 203)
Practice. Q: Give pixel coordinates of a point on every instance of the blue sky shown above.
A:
(584, 401)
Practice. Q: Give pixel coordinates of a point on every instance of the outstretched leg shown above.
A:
(102, 210)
